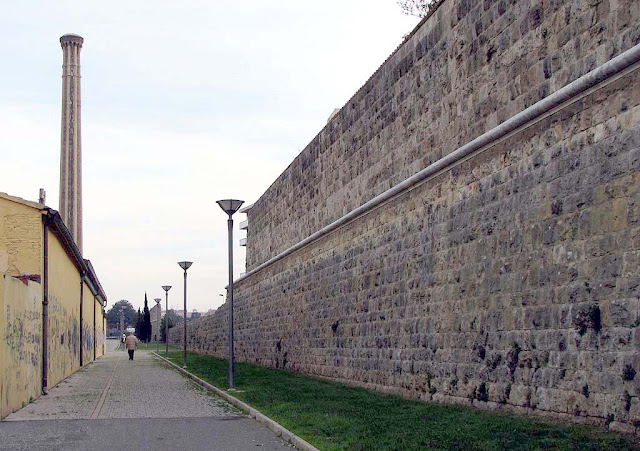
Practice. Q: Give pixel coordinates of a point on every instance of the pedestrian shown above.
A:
(131, 342)
(123, 337)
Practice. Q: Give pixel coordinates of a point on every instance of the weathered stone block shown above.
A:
(510, 278)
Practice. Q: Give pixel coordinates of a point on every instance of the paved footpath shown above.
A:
(117, 404)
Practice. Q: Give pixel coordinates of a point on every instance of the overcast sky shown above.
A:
(183, 103)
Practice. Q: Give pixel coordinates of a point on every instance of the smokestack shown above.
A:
(43, 197)
(71, 147)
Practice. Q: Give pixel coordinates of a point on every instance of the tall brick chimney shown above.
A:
(71, 148)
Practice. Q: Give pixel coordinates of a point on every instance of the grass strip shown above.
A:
(332, 416)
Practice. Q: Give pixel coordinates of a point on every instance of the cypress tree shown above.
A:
(146, 321)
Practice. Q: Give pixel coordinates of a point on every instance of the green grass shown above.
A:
(333, 416)
(151, 346)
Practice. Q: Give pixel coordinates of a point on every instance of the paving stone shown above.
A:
(142, 388)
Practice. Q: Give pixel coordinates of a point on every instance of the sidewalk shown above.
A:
(142, 404)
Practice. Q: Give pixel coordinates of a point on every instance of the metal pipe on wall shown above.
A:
(95, 299)
(45, 307)
(82, 275)
(612, 68)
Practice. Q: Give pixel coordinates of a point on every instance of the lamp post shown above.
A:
(230, 206)
(121, 323)
(166, 289)
(158, 325)
(185, 266)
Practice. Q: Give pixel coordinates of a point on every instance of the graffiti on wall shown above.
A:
(64, 342)
(22, 344)
(100, 332)
(87, 340)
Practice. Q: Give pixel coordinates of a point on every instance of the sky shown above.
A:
(183, 103)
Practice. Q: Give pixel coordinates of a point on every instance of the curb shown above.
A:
(276, 428)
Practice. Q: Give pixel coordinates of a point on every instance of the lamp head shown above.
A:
(166, 287)
(185, 265)
(158, 300)
(230, 206)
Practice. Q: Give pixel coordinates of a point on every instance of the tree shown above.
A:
(175, 318)
(170, 324)
(146, 321)
(195, 315)
(139, 325)
(419, 8)
(113, 314)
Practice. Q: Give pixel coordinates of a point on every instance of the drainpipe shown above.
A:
(95, 299)
(45, 308)
(81, 298)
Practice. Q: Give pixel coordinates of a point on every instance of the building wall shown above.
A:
(3, 330)
(155, 314)
(508, 280)
(100, 336)
(20, 238)
(21, 343)
(87, 324)
(468, 68)
(64, 314)
(21, 309)
(20, 305)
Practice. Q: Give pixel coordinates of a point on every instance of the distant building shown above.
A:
(180, 313)
(156, 314)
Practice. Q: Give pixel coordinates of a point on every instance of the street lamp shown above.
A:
(166, 289)
(121, 324)
(158, 325)
(230, 206)
(185, 266)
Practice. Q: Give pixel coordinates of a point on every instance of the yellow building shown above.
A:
(52, 319)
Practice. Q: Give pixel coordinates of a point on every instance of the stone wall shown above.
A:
(509, 280)
(469, 67)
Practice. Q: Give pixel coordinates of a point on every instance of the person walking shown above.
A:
(131, 343)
